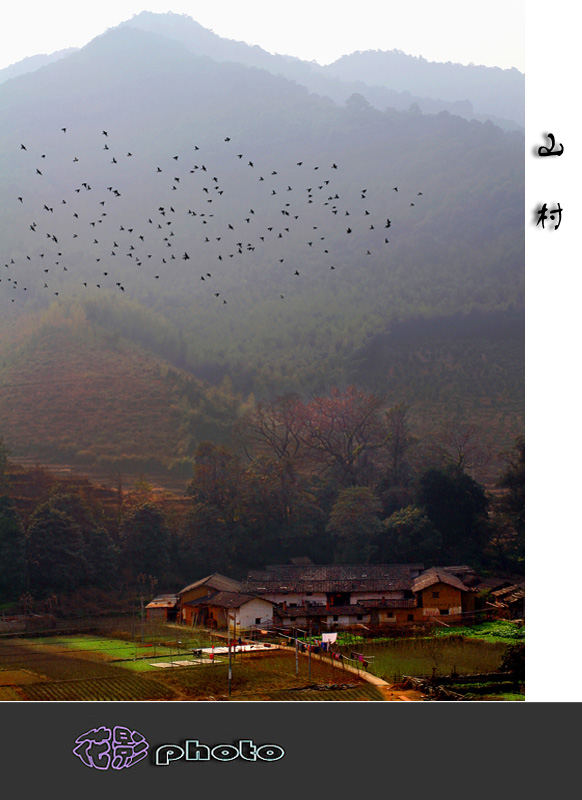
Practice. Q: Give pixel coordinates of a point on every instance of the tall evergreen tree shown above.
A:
(355, 523)
(457, 505)
(408, 536)
(508, 541)
(12, 551)
(55, 552)
(144, 542)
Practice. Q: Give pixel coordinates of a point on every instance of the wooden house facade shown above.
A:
(200, 590)
(439, 593)
(164, 608)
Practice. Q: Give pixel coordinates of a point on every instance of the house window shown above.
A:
(444, 611)
(335, 618)
(308, 594)
(358, 616)
(435, 594)
(410, 617)
(390, 614)
(257, 620)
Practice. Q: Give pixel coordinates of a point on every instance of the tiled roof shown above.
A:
(510, 594)
(436, 575)
(214, 581)
(164, 601)
(331, 578)
(224, 600)
(232, 599)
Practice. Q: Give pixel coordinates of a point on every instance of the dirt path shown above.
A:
(400, 695)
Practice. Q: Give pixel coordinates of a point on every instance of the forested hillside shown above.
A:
(487, 89)
(219, 235)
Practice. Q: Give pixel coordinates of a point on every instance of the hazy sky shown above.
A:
(463, 31)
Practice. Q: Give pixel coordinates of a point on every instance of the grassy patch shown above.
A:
(503, 631)
(112, 649)
(419, 656)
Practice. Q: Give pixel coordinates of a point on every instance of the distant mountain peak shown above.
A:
(32, 63)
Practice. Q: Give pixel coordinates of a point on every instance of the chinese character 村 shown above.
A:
(543, 215)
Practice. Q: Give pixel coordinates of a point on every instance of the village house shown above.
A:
(210, 601)
(439, 593)
(201, 590)
(242, 610)
(164, 608)
(327, 597)
(509, 601)
(337, 595)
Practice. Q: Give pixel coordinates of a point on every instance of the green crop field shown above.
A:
(84, 668)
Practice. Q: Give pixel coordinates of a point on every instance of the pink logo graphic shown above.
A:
(111, 748)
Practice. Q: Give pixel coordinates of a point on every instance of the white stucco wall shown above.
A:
(251, 611)
(299, 598)
(344, 619)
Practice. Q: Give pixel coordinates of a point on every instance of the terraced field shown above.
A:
(357, 692)
(9, 693)
(127, 688)
(84, 668)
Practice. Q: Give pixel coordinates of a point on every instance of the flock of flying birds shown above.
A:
(192, 221)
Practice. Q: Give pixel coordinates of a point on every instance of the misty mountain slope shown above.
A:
(156, 100)
(387, 79)
(72, 390)
(489, 89)
(235, 226)
(32, 63)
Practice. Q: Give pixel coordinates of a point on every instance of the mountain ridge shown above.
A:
(342, 78)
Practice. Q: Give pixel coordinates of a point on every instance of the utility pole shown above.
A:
(141, 609)
(309, 656)
(229, 655)
(296, 654)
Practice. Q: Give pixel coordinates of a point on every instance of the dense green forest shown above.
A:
(335, 479)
